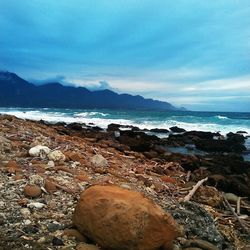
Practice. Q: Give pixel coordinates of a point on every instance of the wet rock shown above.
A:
(176, 129)
(99, 161)
(56, 155)
(138, 141)
(159, 130)
(32, 191)
(109, 216)
(39, 151)
(75, 126)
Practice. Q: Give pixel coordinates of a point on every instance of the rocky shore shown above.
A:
(200, 178)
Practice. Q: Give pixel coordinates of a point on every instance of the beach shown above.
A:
(134, 160)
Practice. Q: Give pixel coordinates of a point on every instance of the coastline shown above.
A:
(137, 161)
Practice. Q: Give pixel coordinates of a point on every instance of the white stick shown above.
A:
(194, 189)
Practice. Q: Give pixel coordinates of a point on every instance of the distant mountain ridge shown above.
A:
(17, 92)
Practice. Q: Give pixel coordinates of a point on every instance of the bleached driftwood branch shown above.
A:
(193, 190)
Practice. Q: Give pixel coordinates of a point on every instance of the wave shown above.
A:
(104, 119)
(221, 117)
(90, 114)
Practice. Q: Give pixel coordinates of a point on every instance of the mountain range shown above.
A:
(17, 92)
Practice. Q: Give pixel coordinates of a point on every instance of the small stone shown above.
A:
(56, 155)
(57, 242)
(41, 240)
(27, 222)
(37, 205)
(52, 227)
(12, 167)
(32, 191)
(51, 164)
(75, 234)
(30, 229)
(39, 151)
(50, 186)
(84, 246)
(25, 212)
(201, 244)
(99, 161)
(231, 197)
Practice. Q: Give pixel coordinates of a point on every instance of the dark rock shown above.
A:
(241, 132)
(57, 242)
(113, 127)
(176, 129)
(159, 130)
(30, 229)
(137, 141)
(197, 223)
(229, 145)
(75, 126)
(52, 227)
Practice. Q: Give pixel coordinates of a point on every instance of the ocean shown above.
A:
(223, 122)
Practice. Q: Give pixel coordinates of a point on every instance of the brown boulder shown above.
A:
(32, 191)
(117, 218)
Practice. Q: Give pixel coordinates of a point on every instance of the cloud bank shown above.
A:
(192, 53)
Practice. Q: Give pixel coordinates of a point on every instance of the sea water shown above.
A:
(222, 122)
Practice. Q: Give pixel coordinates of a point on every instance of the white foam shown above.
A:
(103, 122)
(221, 117)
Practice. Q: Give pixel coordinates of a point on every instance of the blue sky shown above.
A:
(191, 53)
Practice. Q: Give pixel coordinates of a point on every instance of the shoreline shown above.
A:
(136, 161)
(223, 122)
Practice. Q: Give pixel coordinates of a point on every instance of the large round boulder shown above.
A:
(116, 218)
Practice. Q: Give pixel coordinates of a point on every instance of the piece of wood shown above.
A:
(194, 189)
(235, 215)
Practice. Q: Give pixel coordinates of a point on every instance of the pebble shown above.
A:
(38, 205)
(39, 151)
(54, 226)
(57, 242)
(32, 191)
(27, 222)
(30, 229)
(51, 164)
(56, 155)
(201, 244)
(231, 197)
(99, 161)
(75, 234)
(25, 212)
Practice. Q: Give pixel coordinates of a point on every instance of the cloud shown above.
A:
(101, 85)
(58, 78)
(160, 48)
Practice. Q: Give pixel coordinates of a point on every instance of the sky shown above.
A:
(192, 53)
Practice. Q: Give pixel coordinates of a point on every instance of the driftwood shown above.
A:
(193, 190)
(235, 215)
